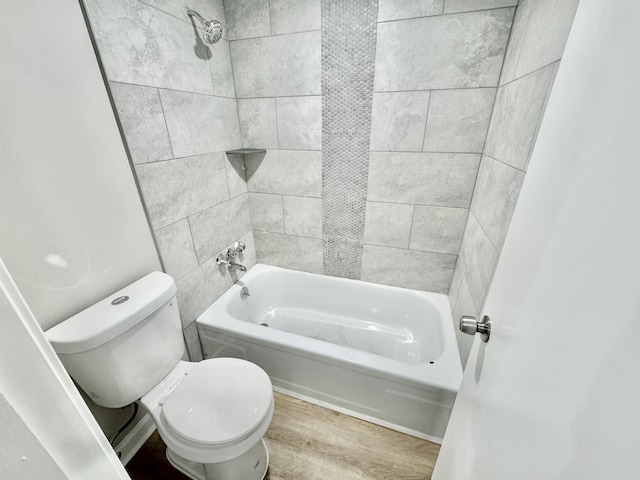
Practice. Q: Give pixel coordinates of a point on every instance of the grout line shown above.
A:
(287, 234)
(426, 121)
(270, 19)
(193, 243)
(166, 125)
(455, 255)
(284, 225)
(274, 35)
(530, 73)
(414, 204)
(504, 163)
(450, 14)
(173, 89)
(413, 217)
(283, 96)
(235, 92)
(418, 152)
(483, 87)
(275, 107)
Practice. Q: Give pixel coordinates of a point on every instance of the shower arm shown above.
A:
(193, 13)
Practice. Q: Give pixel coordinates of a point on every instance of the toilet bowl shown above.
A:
(211, 414)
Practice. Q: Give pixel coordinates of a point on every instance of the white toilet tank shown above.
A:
(121, 347)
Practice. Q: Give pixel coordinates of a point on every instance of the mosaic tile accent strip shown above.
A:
(348, 63)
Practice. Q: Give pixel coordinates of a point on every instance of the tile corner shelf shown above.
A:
(246, 151)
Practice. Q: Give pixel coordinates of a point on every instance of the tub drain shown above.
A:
(263, 324)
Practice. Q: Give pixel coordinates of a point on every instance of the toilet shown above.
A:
(129, 347)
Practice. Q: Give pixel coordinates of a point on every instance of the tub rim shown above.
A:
(445, 373)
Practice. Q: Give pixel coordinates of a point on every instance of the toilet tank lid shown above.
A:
(112, 316)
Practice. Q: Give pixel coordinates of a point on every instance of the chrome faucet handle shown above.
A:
(221, 261)
(239, 247)
(231, 253)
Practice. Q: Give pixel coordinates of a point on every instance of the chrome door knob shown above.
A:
(470, 326)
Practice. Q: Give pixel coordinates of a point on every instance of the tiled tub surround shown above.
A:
(275, 50)
(539, 34)
(430, 119)
(437, 70)
(427, 131)
(175, 99)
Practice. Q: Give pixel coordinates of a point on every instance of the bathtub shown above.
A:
(384, 354)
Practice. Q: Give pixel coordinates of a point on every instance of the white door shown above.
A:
(555, 394)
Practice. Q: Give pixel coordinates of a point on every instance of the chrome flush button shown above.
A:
(119, 300)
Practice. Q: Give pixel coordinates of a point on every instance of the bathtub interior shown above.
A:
(395, 323)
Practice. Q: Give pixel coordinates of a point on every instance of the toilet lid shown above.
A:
(220, 400)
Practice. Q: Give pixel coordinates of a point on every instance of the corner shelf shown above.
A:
(246, 151)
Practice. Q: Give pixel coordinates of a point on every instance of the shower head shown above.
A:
(212, 28)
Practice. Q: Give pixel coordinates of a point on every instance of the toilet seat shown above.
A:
(250, 381)
(219, 402)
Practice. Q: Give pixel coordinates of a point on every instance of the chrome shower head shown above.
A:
(212, 28)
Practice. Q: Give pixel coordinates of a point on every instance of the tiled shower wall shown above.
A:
(275, 51)
(175, 99)
(540, 31)
(436, 71)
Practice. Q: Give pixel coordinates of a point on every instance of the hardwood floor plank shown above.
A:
(308, 442)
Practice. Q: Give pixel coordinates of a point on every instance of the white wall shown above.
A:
(72, 226)
(47, 430)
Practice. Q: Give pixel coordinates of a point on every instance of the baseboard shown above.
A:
(352, 413)
(133, 441)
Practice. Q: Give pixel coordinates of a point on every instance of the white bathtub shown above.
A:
(384, 354)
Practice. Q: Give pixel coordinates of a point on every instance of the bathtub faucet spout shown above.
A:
(232, 266)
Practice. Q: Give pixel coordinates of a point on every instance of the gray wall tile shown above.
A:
(464, 306)
(142, 45)
(200, 123)
(303, 216)
(479, 258)
(175, 189)
(388, 224)
(258, 122)
(299, 122)
(298, 16)
(142, 118)
(457, 6)
(454, 290)
(398, 121)
(200, 288)
(216, 227)
(288, 251)
(407, 268)
(266, 212)
(285, 172)
(209, 9)
(540, 32)
(458, 120)
(236, 175)
(221, 70)
(279, 66)
(438, 229)
(517, 112)
(176, 249)
(494, 201)
(247, 18)
(450, 51)
(439, 179)
(400, 9)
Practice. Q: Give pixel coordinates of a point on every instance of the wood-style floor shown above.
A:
(307, 442)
